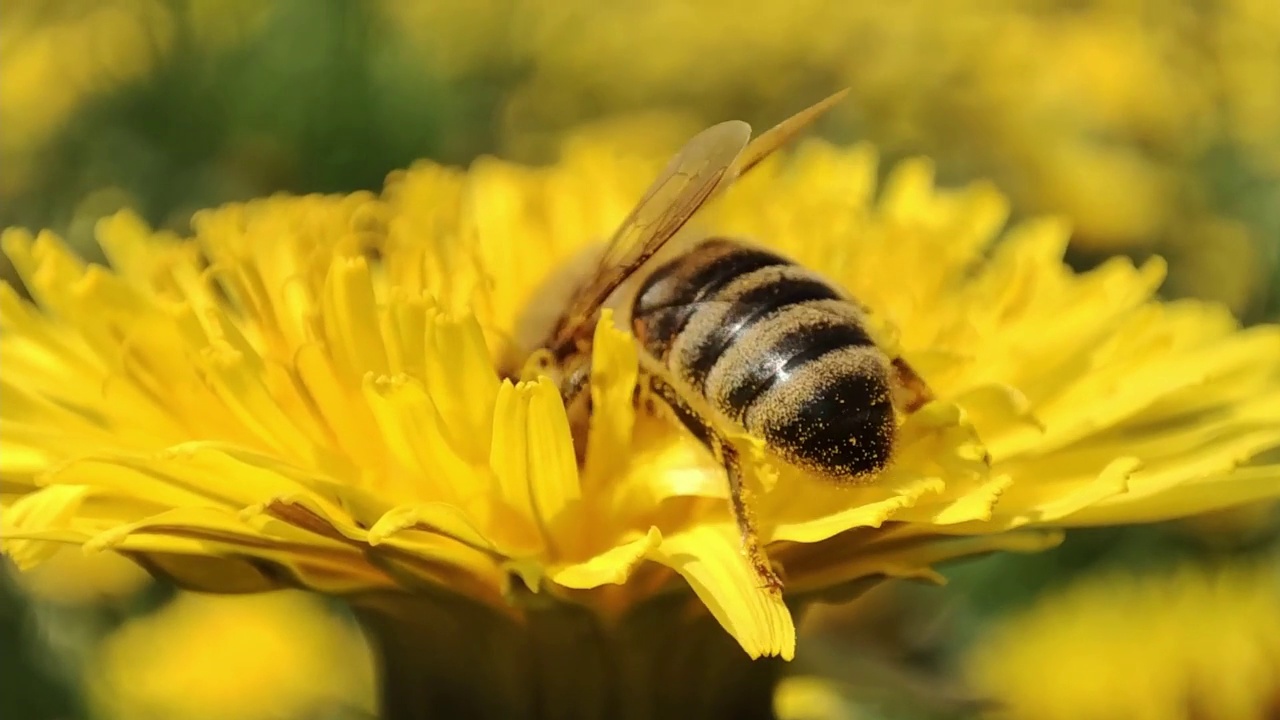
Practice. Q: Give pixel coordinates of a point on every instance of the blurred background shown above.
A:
(1154, 125)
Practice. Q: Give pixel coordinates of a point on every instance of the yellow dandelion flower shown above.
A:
(306, 392)
(271, 656)
(1193, 643)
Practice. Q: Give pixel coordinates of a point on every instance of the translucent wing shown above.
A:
(707, 164)
(680, 190)
(781, 134)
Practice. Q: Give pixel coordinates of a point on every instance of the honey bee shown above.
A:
(735, 338)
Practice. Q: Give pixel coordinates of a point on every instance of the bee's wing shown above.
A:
(691, 177)
(707, 164)
(780, 134)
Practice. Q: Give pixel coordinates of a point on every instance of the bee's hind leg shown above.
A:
(910, 391)
(725, 453)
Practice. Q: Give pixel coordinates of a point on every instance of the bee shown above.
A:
(735, 338)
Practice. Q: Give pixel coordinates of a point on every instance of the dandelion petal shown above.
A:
(710, 558)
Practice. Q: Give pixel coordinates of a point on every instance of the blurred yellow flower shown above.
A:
(1196, 643)
(1170, 106)
(306, 392)
(1018, 89)
(72, 577)
(807, 698)
(271, 656)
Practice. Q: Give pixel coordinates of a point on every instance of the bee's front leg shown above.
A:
(575, 387)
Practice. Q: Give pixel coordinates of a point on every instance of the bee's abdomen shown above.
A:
(774, 349)
(672, 294)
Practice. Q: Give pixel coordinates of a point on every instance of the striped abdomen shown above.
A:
(775, 349)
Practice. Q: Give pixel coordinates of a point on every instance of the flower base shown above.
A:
(449, 657)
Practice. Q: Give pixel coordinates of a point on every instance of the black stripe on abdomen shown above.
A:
(749, 307)
(791, 353)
